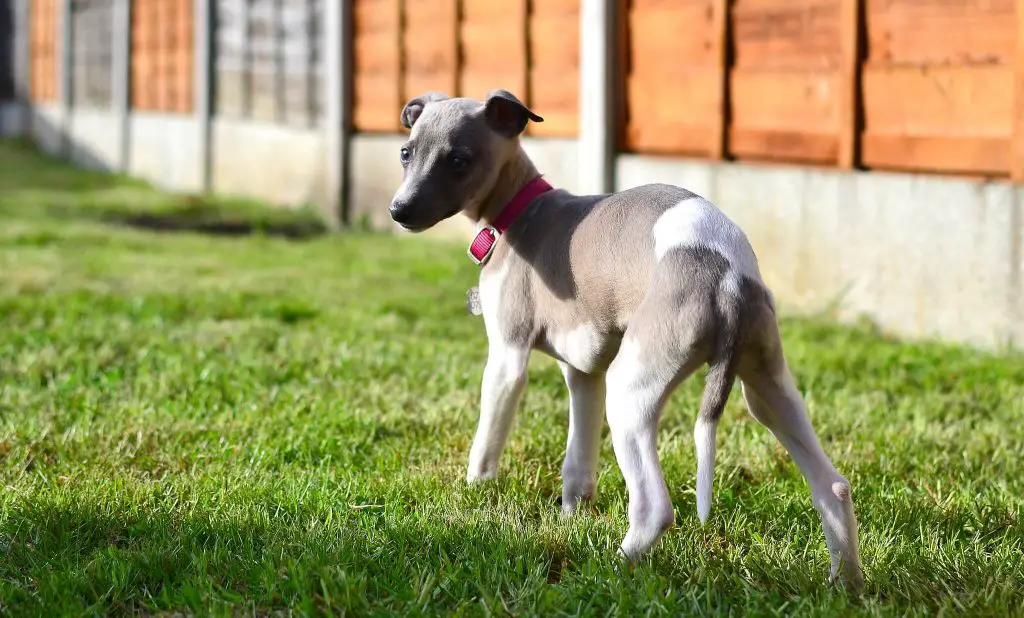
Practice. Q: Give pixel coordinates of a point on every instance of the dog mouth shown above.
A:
(411, 227)
(424, 223)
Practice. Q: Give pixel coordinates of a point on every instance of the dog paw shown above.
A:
(851, 580)
(575, 503)
(482, 476)
(624, 564)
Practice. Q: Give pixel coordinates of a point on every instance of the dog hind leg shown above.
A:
(639, 381)
(773, 399)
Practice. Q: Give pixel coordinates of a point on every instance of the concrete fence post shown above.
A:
(65, 72)
(598, 69)
(21, 60)
(202, 87)
(246, 73)
(338, 71)
(120, 87)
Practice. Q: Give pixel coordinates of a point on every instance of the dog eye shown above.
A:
(459, 162)
(403, 155)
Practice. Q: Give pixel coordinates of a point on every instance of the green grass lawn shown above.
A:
(199, 424)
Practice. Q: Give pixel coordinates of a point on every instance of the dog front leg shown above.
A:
(502, 385)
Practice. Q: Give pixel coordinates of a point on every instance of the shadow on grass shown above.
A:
(198, 215)
(73, 557)
(33, 183)
(76, 559)
(173, 222)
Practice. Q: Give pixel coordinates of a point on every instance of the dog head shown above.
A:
(456, 151)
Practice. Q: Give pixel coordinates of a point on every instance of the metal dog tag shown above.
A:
(473, 301)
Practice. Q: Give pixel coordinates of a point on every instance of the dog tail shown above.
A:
(717, 385)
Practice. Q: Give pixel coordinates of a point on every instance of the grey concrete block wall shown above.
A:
(373, 177)
(286, 166)
(95, 139)
(46, 126)
(165, 150)
(922, 256)
(557, 159)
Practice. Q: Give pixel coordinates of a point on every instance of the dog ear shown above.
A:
(412, 110)
(506, 114)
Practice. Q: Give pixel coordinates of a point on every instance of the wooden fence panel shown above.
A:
(430, 47)
(673, 77)
(1017, 148)
(786, 82)
(938, 85)
(44, 50)
(377, 88)
(554, 29)
(493, 47)
(466, 48)
(162, 56)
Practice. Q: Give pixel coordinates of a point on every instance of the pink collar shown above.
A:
(482, 246)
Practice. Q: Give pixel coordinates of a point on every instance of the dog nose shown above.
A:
(399, 212)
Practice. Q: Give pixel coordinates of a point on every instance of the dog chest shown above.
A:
(582, 346)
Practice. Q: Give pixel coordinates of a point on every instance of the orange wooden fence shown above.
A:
(939, 85)
(466, 48)
(923, 85)
(554, 52)
(162, 55)
(44, 50)
(377, 65)
(162, 51)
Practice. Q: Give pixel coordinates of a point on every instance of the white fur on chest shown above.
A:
(583, 347)
(491, 284)
(696, 222)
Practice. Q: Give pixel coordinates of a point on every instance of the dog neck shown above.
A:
(515, 175)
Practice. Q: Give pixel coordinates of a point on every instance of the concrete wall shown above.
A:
(284, 165)
(165, 149)
(46, 126)
(95, 139)
(922, 256)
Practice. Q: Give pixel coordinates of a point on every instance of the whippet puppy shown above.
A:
(630, 292)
